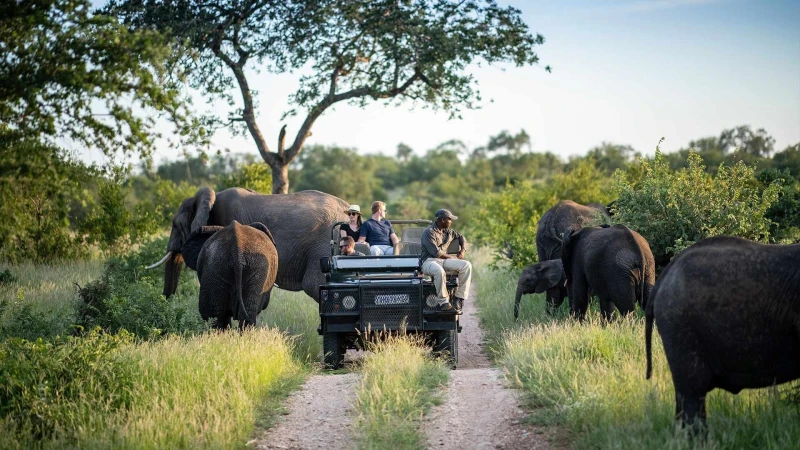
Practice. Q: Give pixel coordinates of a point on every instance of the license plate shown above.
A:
(392, 299)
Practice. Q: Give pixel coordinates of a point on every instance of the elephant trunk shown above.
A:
(172, 272)
(516, 301)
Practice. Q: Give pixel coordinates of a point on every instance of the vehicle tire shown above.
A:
(333, 350)
(447, 345)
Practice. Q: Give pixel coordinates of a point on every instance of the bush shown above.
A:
(507, 220)
(42, 380)
(128, 298)
(674, 209)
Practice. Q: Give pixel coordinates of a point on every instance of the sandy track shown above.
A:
(479, 412)
(319, 416)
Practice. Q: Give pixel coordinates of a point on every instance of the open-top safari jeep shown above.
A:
(368, 294)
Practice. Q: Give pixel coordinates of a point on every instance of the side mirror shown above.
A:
(325, 264)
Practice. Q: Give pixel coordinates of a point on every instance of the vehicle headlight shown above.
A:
(349, 302)
(432, 300)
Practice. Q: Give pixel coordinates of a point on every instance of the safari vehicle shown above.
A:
(368, 294)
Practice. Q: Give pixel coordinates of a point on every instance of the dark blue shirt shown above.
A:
(377, 233)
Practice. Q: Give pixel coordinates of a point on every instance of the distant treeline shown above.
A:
(55, 207)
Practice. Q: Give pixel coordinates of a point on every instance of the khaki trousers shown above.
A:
(437, 269)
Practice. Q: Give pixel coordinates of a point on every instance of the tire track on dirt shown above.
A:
(479, 412)
(320, 416)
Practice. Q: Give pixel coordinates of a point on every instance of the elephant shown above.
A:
(728, 312)
(236, 266)
(554, 223)
(540, 277)
(614, 262)
(300, 222)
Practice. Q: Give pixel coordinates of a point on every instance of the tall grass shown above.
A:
(206, 391)
(400, 382)
(297, 314)
(589, 378)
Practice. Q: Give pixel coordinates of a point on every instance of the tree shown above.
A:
(68, 73)
(404, 152)
(354, 51)
(789, 159)
(609, 157)
(757, 143)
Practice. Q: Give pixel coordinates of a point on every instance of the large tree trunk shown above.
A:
(280, 178)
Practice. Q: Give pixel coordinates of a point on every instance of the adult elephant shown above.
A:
(564, 216)
(236, 266)
(728, 312)
(300, 223)
(613, 262)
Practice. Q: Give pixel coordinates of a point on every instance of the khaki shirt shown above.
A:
(436, 241)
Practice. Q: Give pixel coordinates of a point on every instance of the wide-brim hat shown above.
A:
(445, 213)
(355, 209)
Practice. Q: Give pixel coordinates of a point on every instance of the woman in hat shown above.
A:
(353, 229)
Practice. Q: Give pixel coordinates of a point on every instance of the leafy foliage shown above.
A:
(674, 209)
(61, 63)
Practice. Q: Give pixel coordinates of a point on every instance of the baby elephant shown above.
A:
(728, 312)
(236, 266)
(540, 277)
(614, 263)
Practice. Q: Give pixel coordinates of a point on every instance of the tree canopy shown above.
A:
(356, 51)
(68, 73)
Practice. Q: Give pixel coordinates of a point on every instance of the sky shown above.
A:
(623, 71)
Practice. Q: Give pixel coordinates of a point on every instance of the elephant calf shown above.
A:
(546, 276)
(728, 312)
(236, 266)
(615, 263)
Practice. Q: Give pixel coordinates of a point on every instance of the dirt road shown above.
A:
(478, 411)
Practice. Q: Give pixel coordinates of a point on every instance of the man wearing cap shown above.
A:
(436, 261)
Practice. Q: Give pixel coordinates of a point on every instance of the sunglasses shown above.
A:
(342, 246)
(353, 214)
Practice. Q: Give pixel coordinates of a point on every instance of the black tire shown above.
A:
(333, 350)
(446, 345)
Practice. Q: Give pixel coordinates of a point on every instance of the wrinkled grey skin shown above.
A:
(728, 312)
(541, 277)
(236, 266)
(564, 216)
(300, 222)
(614, 263)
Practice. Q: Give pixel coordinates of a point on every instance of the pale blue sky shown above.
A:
(624, 71)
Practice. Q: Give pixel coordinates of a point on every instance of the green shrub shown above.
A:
(507, 220)
(130, 298)
(673, 209)
(785, 213)
(255, 176)
(42, 380)
(6, 277)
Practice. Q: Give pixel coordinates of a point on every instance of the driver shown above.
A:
(436, 261)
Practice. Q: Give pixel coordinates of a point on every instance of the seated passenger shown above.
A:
(353, 229)
(347, 247)
(378, 232)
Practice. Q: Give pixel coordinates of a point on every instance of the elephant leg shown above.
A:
(222, 322)
(555, 298)
(579, 297)
(607, 307)
(690, 409)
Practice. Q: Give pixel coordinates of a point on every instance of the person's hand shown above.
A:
(460, 254)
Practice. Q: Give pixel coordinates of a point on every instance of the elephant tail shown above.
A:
(238, 279)
(649, 317)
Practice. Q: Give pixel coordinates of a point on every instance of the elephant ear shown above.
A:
(204, 200)
(550, 274)
(260, 226)
(191, 248)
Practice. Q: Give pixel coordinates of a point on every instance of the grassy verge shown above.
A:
(400, 383)
(589, 378)
(103, 391)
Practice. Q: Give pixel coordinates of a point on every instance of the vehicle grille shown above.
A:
(388, 314)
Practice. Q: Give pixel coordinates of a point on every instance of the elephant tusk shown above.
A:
(163, 260)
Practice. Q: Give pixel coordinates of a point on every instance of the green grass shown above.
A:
(205, 391)
(589, 378)
(400, 382)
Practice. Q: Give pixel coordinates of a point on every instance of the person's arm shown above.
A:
(393, 237)
(342, 233)
(362, 233)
